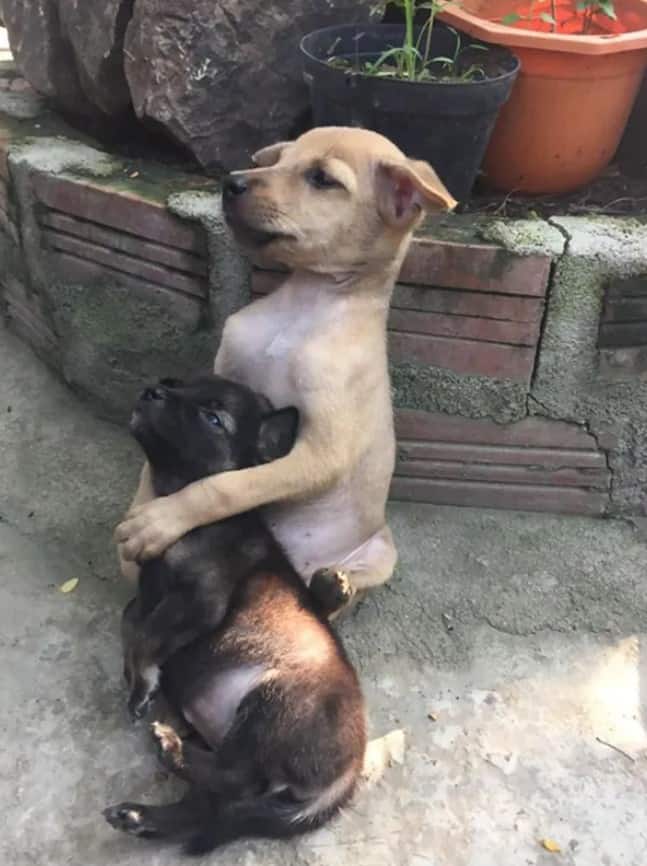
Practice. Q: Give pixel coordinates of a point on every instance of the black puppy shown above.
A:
(245, 652)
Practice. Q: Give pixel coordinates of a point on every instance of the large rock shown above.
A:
(225, 78)
(221, 78)
(72, 51)
(42, 53)
(96, 33)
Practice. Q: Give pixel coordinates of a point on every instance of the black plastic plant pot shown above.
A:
(448, 123)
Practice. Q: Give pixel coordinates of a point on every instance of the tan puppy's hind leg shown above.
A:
(340, 587)
(130, 570)
(373, 564)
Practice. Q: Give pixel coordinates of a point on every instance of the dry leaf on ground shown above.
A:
(382, 753)
(69, 585)
(550, 845)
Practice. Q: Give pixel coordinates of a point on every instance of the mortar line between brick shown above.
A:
(549, 286)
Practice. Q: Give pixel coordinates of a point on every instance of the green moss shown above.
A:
(524, 237)
(40, 135)
(59, 155)
(435, 390)
(577, 291)
(113, 340)
(156, 182)
(457, 228)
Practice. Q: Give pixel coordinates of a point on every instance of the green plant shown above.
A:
(595, 7)
(547, 17)
(586, 10)
(451, 65)
(412, 60)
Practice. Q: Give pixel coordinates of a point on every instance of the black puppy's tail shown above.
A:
(272, 816)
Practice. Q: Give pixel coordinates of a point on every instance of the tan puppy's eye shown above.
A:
(320, 179)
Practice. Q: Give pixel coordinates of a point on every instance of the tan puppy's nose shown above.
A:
(234, 186)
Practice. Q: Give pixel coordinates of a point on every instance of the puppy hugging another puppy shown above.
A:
(337, 207)
(223, 619)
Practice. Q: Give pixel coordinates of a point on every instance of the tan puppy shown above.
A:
(338, 208)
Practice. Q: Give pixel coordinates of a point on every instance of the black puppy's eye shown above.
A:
(320, 179)
(213, 419)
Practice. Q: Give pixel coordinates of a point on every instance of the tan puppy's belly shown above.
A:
(342, 528)
(329, 533)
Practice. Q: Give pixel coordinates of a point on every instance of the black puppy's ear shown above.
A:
(277, 434)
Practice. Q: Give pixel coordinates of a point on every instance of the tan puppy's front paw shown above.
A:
(129, 570)
(148, 530)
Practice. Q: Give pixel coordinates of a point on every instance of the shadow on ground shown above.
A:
(510, 647)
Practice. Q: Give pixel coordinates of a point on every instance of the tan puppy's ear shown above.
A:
(405, 190)
(270, 155)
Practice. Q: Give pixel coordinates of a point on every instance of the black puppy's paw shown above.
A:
(139, 702)
(331, 589)
(169, 746)
(127, 817)
(142, 693)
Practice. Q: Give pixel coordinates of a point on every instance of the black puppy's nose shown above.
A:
(156, 393)
(233, 186)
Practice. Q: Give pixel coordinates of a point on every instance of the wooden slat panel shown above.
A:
(464, 356)
(35, 338)
(534, 431)
(622, 364)
(452, 302)
(558, 500)
(434, 300)
(100, 256)
(4, 154)
(28, 319)
(622, 334)
(86, 273)
(566, 477)
(170, 257)
(469, 327)
(629, 287)
(4, 198)
(6, 223)
(120, 210)
(479, 267)
(25, 310)
(509, 455)
(627, 310)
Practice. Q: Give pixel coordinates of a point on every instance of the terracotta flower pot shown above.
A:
(573, 97)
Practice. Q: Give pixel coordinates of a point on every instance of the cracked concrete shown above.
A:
(523, 636)
(567, 385)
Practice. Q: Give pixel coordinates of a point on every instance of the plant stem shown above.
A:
(553, 15)
(409, 12)
(430, 27)
(587, 19)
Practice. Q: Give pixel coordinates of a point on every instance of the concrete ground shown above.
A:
(512, 648)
